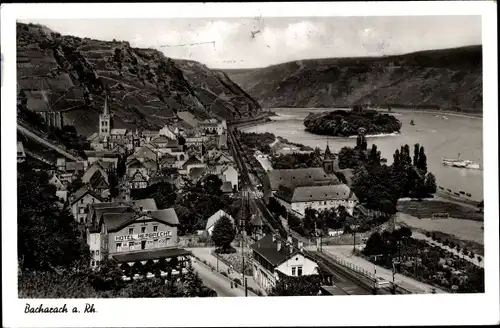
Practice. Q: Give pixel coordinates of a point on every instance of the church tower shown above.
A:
(105, 120)
(328, 160)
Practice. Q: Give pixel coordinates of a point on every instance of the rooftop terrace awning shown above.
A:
(151, 255)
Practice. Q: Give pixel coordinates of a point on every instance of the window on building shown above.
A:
(97, 253)
(143, 244)
(118, 247)
(96, 262)
(155, 228)
(93, 252)
(299, 271)
(143, 229)
(92, 263)
(293, 271)
(130, 231)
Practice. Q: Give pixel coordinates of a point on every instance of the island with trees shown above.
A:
(344, 123)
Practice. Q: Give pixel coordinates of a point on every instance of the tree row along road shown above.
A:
(46, 143)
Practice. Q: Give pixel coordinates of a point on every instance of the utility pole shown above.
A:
(246, 287)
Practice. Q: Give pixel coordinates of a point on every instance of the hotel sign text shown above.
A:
(142, 236)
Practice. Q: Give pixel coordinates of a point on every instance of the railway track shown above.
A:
(267, 217)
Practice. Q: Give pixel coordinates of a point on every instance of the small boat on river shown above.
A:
(412, 123)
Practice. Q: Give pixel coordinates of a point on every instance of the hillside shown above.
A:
(445, 79)
(146, 89)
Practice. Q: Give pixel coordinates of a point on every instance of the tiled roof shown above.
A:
(150, 132)
(316, 193)
(146, 203)
(150, 255)
(145, 152)
(268, 249)
(227, 186)
(82, 192)
(171, 143)
(118, 132)
(96, 166)
(150, 164)
(74, 166)
(193, 160)
(197, 172)
(115, 221)
(216, 217)
(313, 176)
(168, 159)
(101, 153)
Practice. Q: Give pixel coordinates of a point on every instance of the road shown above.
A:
(44, 142)
(205, 254)
(219, 283)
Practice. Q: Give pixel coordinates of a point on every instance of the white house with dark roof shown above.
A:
(230, 174)
(192, 162)
(298, 199)
(132, 233)
(92, 170)
(139, 230)
(312, 176)
(214, 219)
(80, 201)
(273, 257)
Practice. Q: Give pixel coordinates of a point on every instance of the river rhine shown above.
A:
(440, 138)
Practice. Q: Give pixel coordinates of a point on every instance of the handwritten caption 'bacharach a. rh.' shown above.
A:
(89, 308)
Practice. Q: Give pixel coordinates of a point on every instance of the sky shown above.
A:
(228, 43)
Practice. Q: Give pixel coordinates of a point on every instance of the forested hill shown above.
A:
(146, 89)
(445, 79)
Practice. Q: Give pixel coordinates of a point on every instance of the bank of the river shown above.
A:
(440, 137)
(405, 109)
(262, 119)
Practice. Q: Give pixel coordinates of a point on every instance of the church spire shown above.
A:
(328, 160)
(328, 153)
(105, 108)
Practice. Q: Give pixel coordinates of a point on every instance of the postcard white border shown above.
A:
(264, 311)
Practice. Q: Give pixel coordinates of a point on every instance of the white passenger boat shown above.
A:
(460, 163)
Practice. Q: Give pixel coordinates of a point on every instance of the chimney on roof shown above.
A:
(149, 212)
(279, 245)
(274, 238)
(301, 245)
(141, 208)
